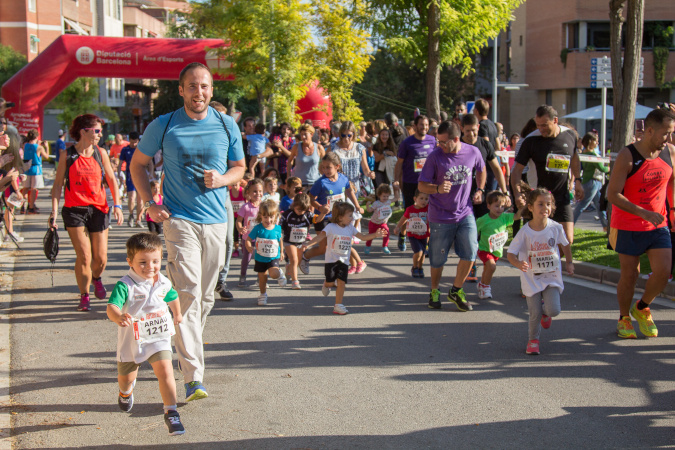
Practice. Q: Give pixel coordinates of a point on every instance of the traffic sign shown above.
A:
(608, 84)
(608, 76)
(608, 60)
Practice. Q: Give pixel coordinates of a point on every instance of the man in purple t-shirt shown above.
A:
(446, 177)
(412, 153)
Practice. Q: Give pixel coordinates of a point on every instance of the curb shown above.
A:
(610, 276)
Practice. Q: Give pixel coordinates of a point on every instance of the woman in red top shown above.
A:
(85, 212)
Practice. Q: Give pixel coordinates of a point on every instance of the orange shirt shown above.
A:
(85, 185)
(116, 149)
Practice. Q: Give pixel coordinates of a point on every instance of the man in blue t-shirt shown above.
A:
(60, 145)
(203, 155)
(134, 201)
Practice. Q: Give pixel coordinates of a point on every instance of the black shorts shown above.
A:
(563, 213)
(90, 217)
(319, 226)
(155, 227)
(262, 267)
(336, 271)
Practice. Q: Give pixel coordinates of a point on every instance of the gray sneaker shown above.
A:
(459, 298)
(304, 265)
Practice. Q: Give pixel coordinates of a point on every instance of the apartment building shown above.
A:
(549, 46)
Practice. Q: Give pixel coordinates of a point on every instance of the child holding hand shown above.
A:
(535, 252)
(415, 221)
(295, 223)
(268, 244)
(138, 305)
(381, 209)
(293, 188)
(338, 235)
(246, 220)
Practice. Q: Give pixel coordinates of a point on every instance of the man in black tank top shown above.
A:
(636, 201)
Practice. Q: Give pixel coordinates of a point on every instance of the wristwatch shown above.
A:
(149, 203)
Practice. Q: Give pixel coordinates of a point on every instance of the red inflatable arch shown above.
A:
(70, 57)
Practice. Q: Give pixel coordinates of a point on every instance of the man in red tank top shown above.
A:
(638, 187)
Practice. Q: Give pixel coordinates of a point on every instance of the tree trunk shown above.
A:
(231, 106)
(625, 75)
(433, 67)
(261, 105)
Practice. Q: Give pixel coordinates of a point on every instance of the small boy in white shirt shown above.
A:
(138, 304)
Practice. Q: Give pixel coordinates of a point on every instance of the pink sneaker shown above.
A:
(99, 289)
(545, 321)
(235, 254)
(532, 347)
(352, 270)
(361, 267)
(84, 303)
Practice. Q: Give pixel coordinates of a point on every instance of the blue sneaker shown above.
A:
(195, 390)
(386, 250)
(367, 251)
(401, 244)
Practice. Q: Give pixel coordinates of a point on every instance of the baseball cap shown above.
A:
(111, 137)
(60, 133)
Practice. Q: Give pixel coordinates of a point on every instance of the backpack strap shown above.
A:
(161, 142)
(229, 137)
(71, 157)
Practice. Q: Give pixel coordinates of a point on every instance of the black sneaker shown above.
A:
(173, 424)
(401, 243)
(459, 298)
(225, 294)
(434, 299)
(125, 402)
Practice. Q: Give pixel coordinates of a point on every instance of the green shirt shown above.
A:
(493, 234)
(590, 167)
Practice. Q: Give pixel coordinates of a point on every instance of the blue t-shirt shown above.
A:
(260, 232)
(125, 155)
(60, 145)
(30, 154)
(285, 203)
(190, 147)
(328, 192)
(256, 144)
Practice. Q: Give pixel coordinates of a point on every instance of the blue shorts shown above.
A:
(635, 243)
(442, 235)
(130, 184)
(418, 245)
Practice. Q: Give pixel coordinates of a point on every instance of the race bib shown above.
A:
(544, 261)
(237, 205)
(384, 213)
(497, 241)
(419, 164)
(416, 225)
(298, 235)
(268, 248)
(250, 223)
(341, 245)
(153, 327)
(558, 163)
(333, 199)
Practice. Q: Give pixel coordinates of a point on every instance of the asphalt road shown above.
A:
(391, 374)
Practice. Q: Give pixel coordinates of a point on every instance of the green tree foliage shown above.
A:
(81, 97)
(11, 62)
(433, 34)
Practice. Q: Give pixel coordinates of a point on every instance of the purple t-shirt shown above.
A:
(457, 168)
(414, 153)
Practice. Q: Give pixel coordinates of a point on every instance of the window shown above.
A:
(34, 43)
(571, 31)
(31, 5)
(598, 35)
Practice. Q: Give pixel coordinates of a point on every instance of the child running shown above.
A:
(535, 252)
(271, 190)
(293, 188)
(246, 220)
(381, 210)
(338, 235)
(493, 235)
(415, 221)
(155, 227)
(295, 223)
(238, 198)
(266, 236)
(138, 305)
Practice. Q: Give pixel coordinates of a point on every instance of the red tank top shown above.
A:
(85, 185)
(647, 187)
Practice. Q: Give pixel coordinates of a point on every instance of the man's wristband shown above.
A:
(117, 206)
(480, 189)
(577, 179)
(438, 186)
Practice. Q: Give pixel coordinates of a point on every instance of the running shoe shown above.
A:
(420, 272)
(235, 254)
(647, 276)
(282, 280)
(459, 298)
(325, 290)
(225, 294)
(139, 224)
(130, 222)
(340, 309)
(644, 320)
(194, 390)
(360, 267)
(262, 300)
(13, 237)
(173, 423)
(242, 282)
(532, 347)
(484, 291)
(435, 299)
(33, 210)
(546, 321)
(304, 265)
(125, 402)
(367, 251)
(84, 303)
(23, 209)
(414, 272)
(99, 289)
(401, 244)
(351, 270)
(624, 328)
(472, 275)
(386, 250)
(295, 284)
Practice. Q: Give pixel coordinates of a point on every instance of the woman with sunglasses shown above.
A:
(85, 211)
(352, 155)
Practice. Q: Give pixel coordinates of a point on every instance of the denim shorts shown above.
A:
(442, 235)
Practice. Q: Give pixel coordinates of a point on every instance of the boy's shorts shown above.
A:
(125, 368)
(336, 271)
(418, 245)
(262, 267)
(484, 256)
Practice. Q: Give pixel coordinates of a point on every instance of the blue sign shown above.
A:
(469, 107)
(594, 76)
(594, 69)
(594, 61)
(594, 84)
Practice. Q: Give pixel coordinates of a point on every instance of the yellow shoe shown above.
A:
(644, 319)
(625, 328)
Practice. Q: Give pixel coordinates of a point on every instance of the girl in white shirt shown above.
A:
(535, 252)
(339, 234)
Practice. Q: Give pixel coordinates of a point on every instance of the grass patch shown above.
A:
(591, 246)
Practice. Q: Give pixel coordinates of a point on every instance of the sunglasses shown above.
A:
(96, 130)
(4, 122)
(346, 135)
